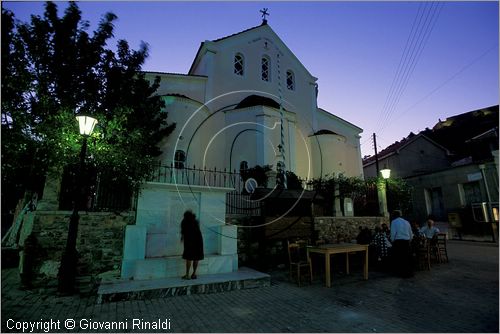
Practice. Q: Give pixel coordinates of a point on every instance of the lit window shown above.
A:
(238, 64)
(290, 80)
(179, 159)
(266, 68)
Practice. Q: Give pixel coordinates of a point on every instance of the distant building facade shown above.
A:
(452, 168)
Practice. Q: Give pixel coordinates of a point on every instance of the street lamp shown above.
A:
(386, 174)
(67, 270)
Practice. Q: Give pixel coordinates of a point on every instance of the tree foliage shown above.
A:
(293, 181)
(341, 186)
(398, 193)
(54, 69)
(259, 173)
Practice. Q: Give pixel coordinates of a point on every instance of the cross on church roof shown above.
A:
(264, 14)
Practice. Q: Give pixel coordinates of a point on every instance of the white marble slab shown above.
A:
(135, 242)
(152, 247)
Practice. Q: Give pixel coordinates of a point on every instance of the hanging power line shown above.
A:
(444, 83)
(433, 91)
(426, 19)
(413, 62)
(398, 70)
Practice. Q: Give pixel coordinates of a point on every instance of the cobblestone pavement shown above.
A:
(460, 296)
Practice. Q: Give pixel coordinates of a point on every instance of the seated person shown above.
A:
(386, 230)
(381, 243)
(429, 231)
(364, 237)
(415, 229)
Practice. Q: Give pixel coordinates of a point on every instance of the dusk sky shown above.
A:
(388, 67)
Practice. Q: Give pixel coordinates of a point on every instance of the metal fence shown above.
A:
(237, 201)
(196, 176)
(99, 190)
(105, 193)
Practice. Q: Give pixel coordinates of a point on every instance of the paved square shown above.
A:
(460, 296)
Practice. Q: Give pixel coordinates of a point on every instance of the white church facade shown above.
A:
(246, 101)
(229, 107)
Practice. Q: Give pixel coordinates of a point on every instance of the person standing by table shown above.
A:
(401, 236)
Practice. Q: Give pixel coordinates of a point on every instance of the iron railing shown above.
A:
(102, 191)
(196, 176)
(237, 201)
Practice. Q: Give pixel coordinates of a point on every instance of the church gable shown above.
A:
(261, 42)
(255, 61)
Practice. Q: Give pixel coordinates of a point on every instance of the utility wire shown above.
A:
(413, 64)
(411, 60)
(409, 41)
(444, 83)
(422, 27)
(432, 92)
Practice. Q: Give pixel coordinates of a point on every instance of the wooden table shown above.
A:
(346, 248)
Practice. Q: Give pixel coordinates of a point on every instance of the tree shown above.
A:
(53, 69)
(259, 173)
(398, 192)
(399, 195)
(347, 187)
(325, 186)
(293, 181)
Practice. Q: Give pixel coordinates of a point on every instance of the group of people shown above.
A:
(389, 244)
(393, 246)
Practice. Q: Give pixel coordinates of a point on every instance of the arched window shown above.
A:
(239, 64)
(179, 159)
(266, 68)
(290, 80)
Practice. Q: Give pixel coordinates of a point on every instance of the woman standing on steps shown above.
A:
(193, 242)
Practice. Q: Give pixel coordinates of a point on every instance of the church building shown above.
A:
(247, 100)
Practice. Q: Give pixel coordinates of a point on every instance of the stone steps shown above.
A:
(175, 266)
(111, 290)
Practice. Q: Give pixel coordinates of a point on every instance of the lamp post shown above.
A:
(489, 216)
(67, 270)
(386, 174)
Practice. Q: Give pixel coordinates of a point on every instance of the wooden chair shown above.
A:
(297, 256)
(433, 249)
(442, 252)
(423, 254)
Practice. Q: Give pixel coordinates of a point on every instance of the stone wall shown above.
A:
(249, 238)
(288, 228)
(99, 243)
(262, 241)
(344, 229)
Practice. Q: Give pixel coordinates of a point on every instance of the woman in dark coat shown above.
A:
(193, 242)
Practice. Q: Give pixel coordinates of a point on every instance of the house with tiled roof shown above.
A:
(452, 169)
(414, 154)
(247, 100)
